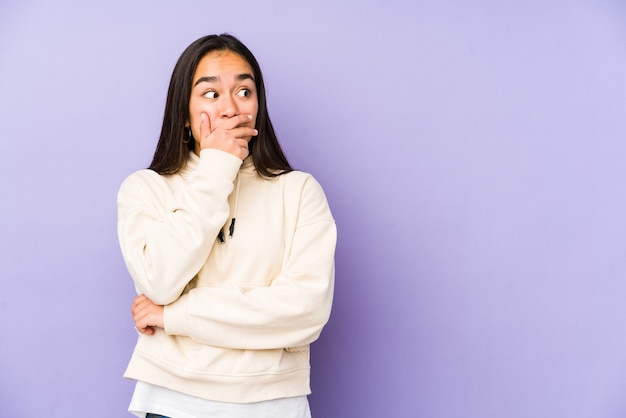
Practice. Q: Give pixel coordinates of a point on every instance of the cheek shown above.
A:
(254, 111)
(195, 117)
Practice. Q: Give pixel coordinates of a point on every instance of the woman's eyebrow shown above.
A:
(214, 79)
(244, 76)
(209, 79)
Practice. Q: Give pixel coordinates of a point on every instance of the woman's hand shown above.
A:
(147, 315)
(231, 136)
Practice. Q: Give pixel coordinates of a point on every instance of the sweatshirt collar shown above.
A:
(247, 167)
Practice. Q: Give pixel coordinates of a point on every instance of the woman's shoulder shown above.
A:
(303, 181)
(143, 175)
(143, 180)
(309, 196)
(297, 176)
(298, 179)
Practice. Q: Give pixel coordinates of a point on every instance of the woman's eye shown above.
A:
(243, 93)
(210, 95)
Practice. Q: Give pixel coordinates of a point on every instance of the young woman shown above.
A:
(231, 251)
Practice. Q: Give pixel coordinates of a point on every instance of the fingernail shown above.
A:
(250, 117)
(256, 132)
(203, 117)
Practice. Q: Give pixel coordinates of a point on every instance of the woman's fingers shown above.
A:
(231, 136)
(146, 315)
(205, 125)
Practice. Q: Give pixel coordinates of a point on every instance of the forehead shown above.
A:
(222, 63)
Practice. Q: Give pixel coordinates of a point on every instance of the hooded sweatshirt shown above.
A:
(243, 305)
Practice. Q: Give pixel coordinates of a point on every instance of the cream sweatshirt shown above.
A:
(239, 315)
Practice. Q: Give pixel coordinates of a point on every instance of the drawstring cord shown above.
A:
(231, 228)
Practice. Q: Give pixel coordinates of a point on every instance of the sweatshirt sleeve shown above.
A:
(290, 312)
(165, 235)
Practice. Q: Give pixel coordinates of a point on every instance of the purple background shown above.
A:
(473, 154)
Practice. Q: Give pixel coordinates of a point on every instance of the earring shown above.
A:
(189, 135)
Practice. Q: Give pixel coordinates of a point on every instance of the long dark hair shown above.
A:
(172, 152)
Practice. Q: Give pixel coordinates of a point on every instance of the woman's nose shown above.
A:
(229, 107)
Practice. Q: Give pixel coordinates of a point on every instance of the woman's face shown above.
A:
(222, 87)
